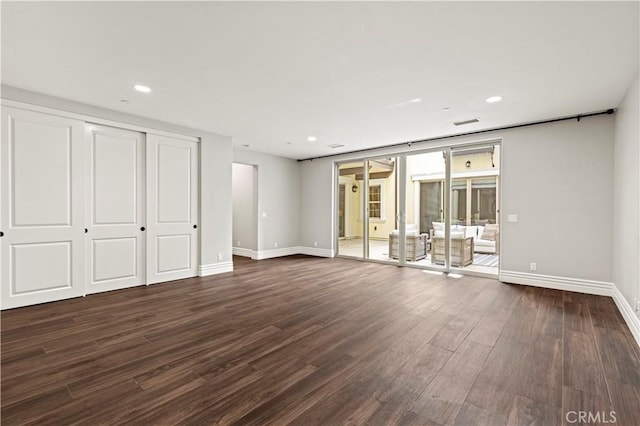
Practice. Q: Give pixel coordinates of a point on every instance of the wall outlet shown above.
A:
(219, 256)
(315, 244)
(637, 304)
(264, 214)
(238, 245)
(275, 244)
(513, 218)
(533, 266)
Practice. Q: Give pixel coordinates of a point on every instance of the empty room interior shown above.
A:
(320, 213)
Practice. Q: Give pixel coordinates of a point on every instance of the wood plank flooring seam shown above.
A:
(601, 363)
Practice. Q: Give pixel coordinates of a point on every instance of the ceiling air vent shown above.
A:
(462, 123)
(336, 145)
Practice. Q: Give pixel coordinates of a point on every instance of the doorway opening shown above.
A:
(245, 209)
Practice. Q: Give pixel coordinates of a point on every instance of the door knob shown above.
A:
(195, 226)
(142, 228)
(1, 234)
(86, 230)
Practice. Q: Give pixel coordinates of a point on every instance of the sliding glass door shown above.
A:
(436, 209)
(367, 209)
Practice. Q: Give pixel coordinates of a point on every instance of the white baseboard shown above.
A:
(215, 268)
(244, 252)
(277, 252)
(627, 312)
(283, 251)
(600, 288)
(315, 251)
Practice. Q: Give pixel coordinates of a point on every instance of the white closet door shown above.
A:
(172, 203)
(42, 208)
(115, 240)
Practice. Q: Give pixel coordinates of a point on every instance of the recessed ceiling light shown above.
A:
(493, 99)
(312, 139)
(414, 101)
(246, 145)
(445, 109)
(288, 143)
(124, 101)
(141, 88)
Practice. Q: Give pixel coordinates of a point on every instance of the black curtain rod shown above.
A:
(476, 132)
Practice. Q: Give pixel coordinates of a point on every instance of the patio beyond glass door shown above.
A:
(436, 209)
(425, 209)
(382, 209)
(475, 224)
(349, 212)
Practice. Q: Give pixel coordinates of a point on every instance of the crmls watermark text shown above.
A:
(590, 417)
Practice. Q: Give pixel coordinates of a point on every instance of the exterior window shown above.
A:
(375, 202)
(431, 205)
(483, 201)
(459, 202)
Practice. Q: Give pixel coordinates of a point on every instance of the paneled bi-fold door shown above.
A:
(115, 212)
(172, 197)
(42, 208)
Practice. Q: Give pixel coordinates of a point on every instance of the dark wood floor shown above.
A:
(320, 341)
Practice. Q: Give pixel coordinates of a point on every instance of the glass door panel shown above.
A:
(382, 209)
(349, 210)
(424, 204)
(474, 240)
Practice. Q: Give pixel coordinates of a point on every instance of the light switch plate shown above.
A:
(513, 218)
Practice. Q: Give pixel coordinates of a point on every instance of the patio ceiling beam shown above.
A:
(376, 175)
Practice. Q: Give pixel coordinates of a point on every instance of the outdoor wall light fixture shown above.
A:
(354, 188)
(467, 164)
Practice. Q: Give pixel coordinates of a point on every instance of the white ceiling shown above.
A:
(271, 74)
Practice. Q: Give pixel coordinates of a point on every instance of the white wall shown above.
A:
(216, 153)
(245, 208)
(626, 197)
(556, 177)
(215, 168)
(317, 192)
(278, 197)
